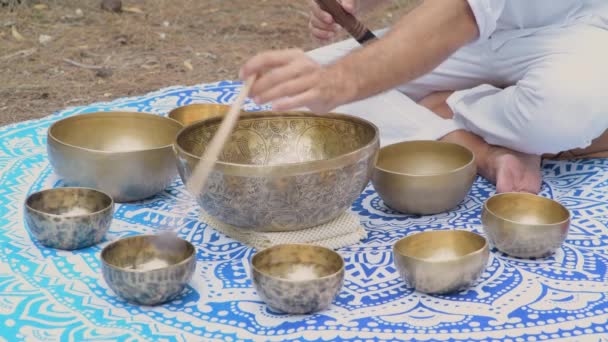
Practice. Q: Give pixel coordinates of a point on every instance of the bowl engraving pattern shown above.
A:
(283, 201)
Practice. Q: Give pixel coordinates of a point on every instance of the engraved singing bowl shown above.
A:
(125, 154)
(282, 171)
(424, 177)
(297, 278)
(148, 269)
(68, 218)
(441, 261)
(198, 112)
(525, 225)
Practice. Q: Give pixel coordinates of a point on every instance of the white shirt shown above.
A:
(502, 20)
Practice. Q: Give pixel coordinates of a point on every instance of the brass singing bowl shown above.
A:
(68, 218)
(441, 261)
(125, 154)
(282, 171)
(197, 112)
(525, 225)
(148, 269)
(297, 278)
(424, 177)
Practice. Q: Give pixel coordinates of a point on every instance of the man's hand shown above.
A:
(290, 79)
(419, 42)
(322, 26)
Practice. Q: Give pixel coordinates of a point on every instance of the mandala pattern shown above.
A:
(53, 295)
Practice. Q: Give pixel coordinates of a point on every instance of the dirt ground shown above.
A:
(60, 53)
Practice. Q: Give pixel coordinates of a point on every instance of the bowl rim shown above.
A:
(30, 208)
(177, 109)
(52, 137)
(266, 274)
(529, 195)
(311, 165)
(122, 269)
(449, 260)
(458, 169)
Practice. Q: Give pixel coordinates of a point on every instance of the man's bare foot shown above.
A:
(510, 171)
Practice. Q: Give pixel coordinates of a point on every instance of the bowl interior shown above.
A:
(527, 209)
(68, 201)
(147, 252)
(281, 138)
(442, 245)
(297, 262)
(196, 112)
(423, 158)
(116, 132)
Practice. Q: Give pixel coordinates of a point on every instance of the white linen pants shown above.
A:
(542, 93)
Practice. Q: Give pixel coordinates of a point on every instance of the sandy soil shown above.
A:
(60, 53)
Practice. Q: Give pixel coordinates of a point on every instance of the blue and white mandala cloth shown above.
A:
(51, 295)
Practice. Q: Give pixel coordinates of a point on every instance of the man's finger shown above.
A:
(321, 34)
(288, 103)
(320, 14)
(278, 76)
(267, 60)
(290, 88)
(316, 23)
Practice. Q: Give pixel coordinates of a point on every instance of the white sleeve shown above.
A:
(486, 14)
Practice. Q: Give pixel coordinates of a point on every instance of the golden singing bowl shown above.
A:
(125, 154)
(282, 171)
(424, 177)
(441, 261)
(198, 112)
(148, 269)
(525, 225)
(297, 278)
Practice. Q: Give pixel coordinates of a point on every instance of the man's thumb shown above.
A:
(349, 5)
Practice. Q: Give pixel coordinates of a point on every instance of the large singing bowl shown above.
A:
(282, 171)
(125, 154)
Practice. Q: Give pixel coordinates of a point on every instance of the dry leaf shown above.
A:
(132, 10)
(264, 24)
(149, 65)
(188, 65)
(44, 39)
(40, 7)
(16, 34)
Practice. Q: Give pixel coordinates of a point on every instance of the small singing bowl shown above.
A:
(423, 177)
(297, 278)
(525, 225)
(198, 112)
(68, 218)
(440, 262)
(128, 155)
(148, 269)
